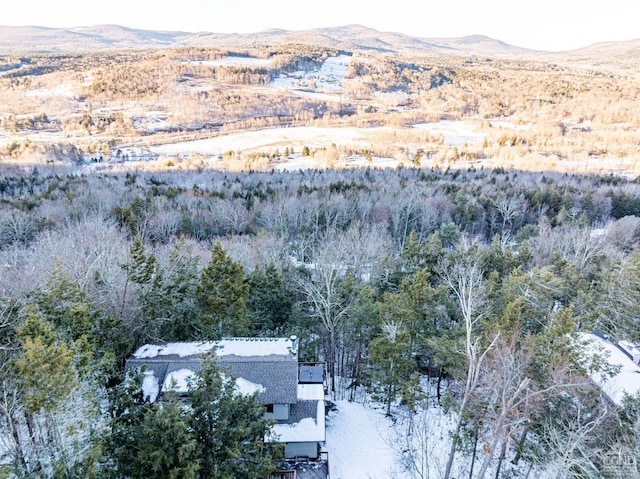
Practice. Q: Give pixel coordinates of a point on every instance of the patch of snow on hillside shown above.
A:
(326, 79)
(5, 139)
(63, 90)
(333, 71)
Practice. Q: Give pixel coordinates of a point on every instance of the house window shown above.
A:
(270, 408)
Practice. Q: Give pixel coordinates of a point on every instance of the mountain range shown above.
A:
(35, 39)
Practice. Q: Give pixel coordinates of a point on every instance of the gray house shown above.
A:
(292, 392)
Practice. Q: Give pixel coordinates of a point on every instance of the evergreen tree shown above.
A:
(143, 273)
(166, 446)
(222, 296)
(97, 338)
(391, 363)
(230, 428)
(125, 416)
(48, 383)
(217, 434)
(148, 440)
(269, 302)
(45, 383)
(175, 306)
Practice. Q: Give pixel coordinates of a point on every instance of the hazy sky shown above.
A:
(541, 24)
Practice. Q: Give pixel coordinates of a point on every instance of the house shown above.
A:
(622, 356)
(132, 153)
(292, 392)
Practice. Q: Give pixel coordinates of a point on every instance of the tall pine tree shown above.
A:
(222, 296)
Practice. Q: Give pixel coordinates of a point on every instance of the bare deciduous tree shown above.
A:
(324, 287)
(464, 277)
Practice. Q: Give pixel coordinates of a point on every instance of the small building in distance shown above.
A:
(132, 153)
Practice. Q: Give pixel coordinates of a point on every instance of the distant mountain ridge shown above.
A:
(35, 39)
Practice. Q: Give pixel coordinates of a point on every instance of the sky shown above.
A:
(539, 24)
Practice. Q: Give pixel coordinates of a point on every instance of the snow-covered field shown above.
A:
(272, 139)
(297, 137)
(508, 125)
(455, 133)
(63, 90)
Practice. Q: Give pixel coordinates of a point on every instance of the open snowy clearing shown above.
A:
(64, 90)
(455, 133)
(363, 443)
(326, 79)
(500, 124)
(296, 137)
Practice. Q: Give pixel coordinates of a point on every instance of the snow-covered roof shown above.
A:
(310, 392)
(240, 347)
(265, 366)
(308, 429)
(173, 349)
(626, 381)
(178, 380)
(247, 388)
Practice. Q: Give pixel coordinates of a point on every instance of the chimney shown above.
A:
(294, 344)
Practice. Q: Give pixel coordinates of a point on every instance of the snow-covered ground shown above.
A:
(358, 442)
(326, 79)
(455, 133)
(63, 90)
(297, 137)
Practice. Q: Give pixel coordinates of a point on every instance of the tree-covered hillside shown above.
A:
(419, 288)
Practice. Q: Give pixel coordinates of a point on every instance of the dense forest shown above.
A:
(419, 288)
